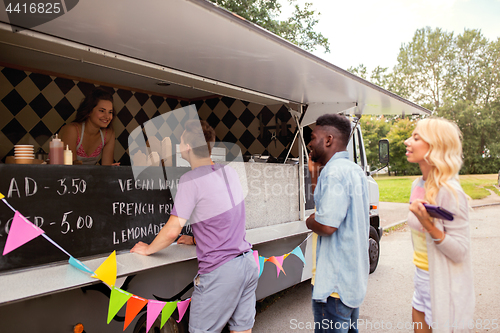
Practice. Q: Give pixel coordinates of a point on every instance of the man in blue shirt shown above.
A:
(341, 223)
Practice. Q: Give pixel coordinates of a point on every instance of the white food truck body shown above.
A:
(200, 50)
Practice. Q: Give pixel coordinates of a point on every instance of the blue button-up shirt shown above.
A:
(342, 263)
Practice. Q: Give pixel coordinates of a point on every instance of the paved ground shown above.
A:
(390, 287)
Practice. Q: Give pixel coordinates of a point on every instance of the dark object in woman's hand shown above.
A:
(438, 212)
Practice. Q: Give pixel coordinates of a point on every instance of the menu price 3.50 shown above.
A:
(76, 186)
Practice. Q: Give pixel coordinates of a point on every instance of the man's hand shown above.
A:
(185, 239)
(141, 248)
(165, 237)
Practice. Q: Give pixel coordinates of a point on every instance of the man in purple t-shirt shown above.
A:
(211, 198)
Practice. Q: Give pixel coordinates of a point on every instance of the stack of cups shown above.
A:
(24, 154)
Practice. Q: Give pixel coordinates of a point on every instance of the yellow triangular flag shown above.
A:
(107, 271)
(2, 196)
(286, 255)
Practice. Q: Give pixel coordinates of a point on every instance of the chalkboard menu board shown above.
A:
(87, 210)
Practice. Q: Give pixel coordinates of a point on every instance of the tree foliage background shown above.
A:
(456, 77)
(298, 28)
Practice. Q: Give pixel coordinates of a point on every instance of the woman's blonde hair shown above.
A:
(444, 155)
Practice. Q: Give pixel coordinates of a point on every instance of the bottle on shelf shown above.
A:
(56, 153)
(68, 156)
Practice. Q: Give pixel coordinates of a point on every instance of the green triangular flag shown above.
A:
(117, 299)
(167, 311)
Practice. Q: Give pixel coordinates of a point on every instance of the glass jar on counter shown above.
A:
(41, 154)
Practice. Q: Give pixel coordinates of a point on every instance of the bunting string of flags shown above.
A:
(22, 231)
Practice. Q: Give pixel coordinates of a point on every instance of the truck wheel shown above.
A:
(373, 249)
(171, 326)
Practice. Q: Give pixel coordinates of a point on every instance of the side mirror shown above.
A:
(383, 151)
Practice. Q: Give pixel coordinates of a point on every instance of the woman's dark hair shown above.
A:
(90, 102)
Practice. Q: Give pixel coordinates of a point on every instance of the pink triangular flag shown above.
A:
(21, 232)
(280, 260)
(256, 257)
(276, 262)
(182, 307)
(154, 309)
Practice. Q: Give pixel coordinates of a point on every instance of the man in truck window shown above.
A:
(341, 222)
(211, 198)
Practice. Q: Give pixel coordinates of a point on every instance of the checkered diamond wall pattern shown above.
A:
(34, 106)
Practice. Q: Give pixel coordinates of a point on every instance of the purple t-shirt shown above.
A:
(211, 198)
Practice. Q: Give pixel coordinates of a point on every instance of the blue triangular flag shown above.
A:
(298, 252)
(261, 262)
(78, 264)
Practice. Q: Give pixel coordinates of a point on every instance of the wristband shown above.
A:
(437, 239)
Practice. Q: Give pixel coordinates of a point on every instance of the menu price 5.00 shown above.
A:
(69, 223)
(81, 222)
(33, 8)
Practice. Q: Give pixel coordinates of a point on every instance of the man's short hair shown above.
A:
(341, 123)
(200, 136)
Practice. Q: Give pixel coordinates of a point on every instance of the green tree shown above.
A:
(467, 68)
(479, 127)
(298, 29)
(373, 129)
(473, 100)
(458, 77)
(423, 67)
(380, 77)
(400, 131)
(490, 80)
(360, 71)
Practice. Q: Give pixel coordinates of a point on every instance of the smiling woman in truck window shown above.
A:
(90, 136)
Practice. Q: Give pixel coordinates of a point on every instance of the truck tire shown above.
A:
(171, 326)
(373, 249)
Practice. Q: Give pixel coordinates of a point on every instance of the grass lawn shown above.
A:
(397, 189)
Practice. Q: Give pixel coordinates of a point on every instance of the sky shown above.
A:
(371, 32)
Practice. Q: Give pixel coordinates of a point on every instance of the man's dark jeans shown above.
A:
(334, 316)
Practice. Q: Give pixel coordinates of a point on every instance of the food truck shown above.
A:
(258, 91)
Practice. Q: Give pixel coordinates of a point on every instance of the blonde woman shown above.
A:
(443, 300)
